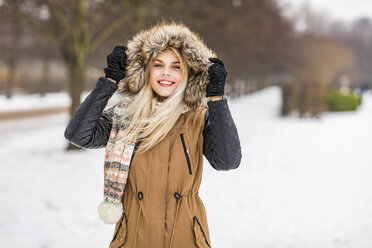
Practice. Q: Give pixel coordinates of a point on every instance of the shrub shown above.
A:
(341, 102)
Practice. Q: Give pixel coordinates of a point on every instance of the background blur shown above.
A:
(299, 89)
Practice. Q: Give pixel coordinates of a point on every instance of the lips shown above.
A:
(165, 83)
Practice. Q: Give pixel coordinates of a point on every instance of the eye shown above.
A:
(177, 67)
(158, 65)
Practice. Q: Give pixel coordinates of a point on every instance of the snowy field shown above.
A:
(33, 101)
(301, 184)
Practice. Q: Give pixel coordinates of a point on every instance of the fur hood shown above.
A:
(149, 43)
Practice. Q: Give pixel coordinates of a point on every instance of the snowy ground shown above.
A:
(301, 184)
(33, 101)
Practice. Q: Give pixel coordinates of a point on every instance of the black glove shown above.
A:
(116, 63)
(217, 78)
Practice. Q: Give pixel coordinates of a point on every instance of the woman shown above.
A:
(173, 112)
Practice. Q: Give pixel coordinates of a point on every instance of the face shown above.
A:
(165, 73)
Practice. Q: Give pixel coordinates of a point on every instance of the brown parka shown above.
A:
(161, 202)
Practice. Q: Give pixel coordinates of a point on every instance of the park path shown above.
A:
(19, 114)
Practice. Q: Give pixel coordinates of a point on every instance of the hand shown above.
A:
(217, 78)
(116, 63)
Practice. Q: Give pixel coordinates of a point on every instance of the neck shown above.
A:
(160, 98)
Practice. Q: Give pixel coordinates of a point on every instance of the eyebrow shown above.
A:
(174, 62)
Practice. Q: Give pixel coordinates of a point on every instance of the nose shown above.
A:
(166, 70)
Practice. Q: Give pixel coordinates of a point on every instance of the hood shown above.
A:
(149, 43)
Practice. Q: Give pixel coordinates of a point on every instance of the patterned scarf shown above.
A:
(117, 161)
(118, 157)
(116, 165)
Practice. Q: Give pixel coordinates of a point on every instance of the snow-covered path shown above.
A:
(301, 184)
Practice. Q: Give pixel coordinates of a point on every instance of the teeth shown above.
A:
(165, 82)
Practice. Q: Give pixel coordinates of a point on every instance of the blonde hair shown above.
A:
(148, 124)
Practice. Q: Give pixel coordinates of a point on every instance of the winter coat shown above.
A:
(162, 207)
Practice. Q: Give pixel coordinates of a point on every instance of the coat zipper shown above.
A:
(186, 153)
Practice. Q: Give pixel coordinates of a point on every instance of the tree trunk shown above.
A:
(45, 77)
(287, 98)
(9, 84)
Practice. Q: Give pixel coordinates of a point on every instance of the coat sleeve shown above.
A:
(221, 145)
(90, 125)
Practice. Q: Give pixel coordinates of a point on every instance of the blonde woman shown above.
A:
(171, 114)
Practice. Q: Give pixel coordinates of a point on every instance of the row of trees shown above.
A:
(258, 44)
(320, 59)
(76, 29)
(248, 35)
(326, 53)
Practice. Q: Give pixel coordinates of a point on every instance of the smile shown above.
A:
(164, 83)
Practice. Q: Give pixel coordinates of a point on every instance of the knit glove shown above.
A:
(217, 78)
(116, 63)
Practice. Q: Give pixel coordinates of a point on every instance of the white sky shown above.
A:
(346, 10)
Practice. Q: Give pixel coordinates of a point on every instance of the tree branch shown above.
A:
(60, 18)
(111, 28)
(39, 26)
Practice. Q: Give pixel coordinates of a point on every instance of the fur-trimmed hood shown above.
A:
(149, 43)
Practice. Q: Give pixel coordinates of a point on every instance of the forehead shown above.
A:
(166, 56)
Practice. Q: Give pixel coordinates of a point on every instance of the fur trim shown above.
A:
(110, 213)
(151, 42)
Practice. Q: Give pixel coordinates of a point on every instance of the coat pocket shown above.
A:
(200, 237)
(186, 151)
(120, 233)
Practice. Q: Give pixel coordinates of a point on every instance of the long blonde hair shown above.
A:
(150, 120)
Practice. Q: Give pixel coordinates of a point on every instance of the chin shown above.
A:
(162, 95)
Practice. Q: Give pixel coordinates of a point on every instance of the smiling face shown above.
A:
(165, 73)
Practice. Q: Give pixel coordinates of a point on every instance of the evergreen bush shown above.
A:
(341, 102)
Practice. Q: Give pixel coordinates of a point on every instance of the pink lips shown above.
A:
(166, 85)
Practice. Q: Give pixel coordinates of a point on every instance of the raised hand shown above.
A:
(217, 78)
(116, 61)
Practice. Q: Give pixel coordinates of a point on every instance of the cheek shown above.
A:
(178, 77)
(152, 75)
(152, 78)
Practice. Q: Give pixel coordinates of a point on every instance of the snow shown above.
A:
(36, 101)
(33, 101)
(301, 183)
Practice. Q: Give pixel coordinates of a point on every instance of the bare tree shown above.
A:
(12, 44)
(320, 58)
(252, 37)
(78, 28)
(309, 20)
(358, 37)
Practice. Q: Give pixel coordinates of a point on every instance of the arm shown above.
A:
(221, 144)
(90, 126)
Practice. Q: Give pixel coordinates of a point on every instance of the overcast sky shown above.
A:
(346, 10)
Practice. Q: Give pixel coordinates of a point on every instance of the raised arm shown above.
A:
(221, 144)
(90, 125)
